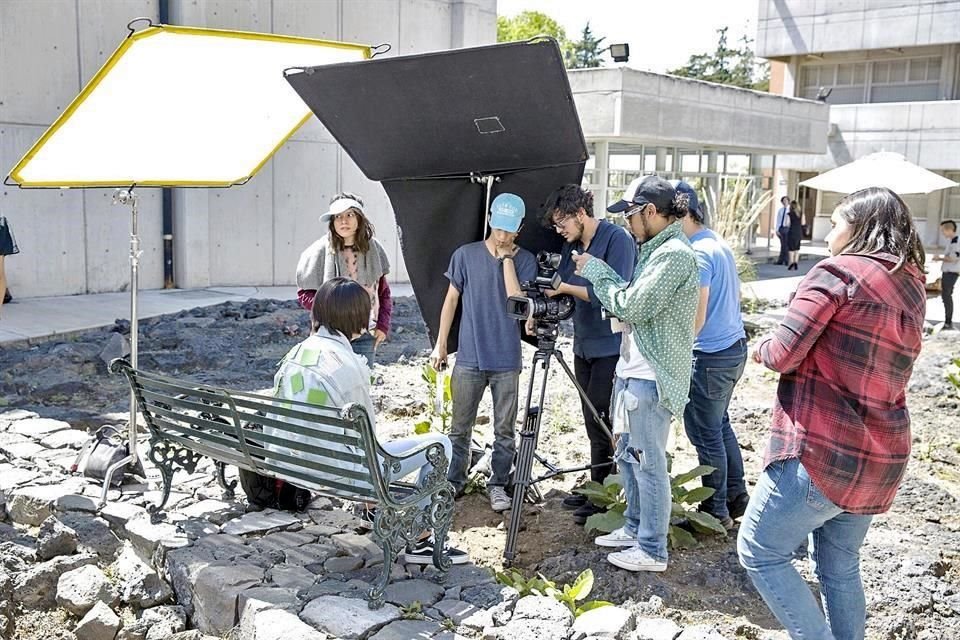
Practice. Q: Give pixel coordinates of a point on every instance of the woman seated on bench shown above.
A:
(329, 372)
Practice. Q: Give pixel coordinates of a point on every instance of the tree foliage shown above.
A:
(529, 24)
(585, 53)
(579, 54)
(735, 66)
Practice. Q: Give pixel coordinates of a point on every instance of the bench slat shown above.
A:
(229, 456)
(313, 430)
(246, 400)
(307, 480)
(303, 447)
(166, 417)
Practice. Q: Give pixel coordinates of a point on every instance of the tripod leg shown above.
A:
(583, 395)
(525, 453)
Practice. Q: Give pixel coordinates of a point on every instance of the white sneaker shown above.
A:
(617, 538)
(499, 500)
(636, 559)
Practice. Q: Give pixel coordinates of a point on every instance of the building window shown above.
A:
(848, 82)
(910, 80)
(896, 80)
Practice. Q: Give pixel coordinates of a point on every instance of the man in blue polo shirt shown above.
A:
(720, 353)
(596, 349)
(482, 275)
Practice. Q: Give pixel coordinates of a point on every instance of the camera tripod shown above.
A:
(523, 480)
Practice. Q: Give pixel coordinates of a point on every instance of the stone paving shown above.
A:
(213, 569)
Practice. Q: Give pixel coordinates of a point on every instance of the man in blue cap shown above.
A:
(719, 356)
(482, 276)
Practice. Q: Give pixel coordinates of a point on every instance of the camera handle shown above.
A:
(527, 451)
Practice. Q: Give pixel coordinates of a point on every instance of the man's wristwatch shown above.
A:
(507, 257)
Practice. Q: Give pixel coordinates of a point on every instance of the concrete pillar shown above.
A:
(601, 161)
(191, 242)
(791, 73)
(661, 159)
(713, 187)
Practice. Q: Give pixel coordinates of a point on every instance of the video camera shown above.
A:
(536, 303)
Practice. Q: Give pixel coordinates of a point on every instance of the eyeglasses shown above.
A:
(346, 215)
(633, 209)
(560, 224)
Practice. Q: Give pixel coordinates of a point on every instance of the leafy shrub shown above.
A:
(441, 411)
(611, 497)
(952, 374)
(567, 594)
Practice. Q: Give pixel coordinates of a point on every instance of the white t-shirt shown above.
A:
(952, 251)
(632, 364)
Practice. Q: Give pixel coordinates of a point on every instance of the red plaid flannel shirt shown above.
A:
(845, 350)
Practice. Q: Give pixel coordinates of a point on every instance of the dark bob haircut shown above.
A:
(341, 305)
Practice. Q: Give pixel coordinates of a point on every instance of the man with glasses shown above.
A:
(596, 348)
(659, 304)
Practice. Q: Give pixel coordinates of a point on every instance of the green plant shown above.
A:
(701, 521)
(413, 611)
(611, 497)
(442, 413)
(567, 594)
(952, 374)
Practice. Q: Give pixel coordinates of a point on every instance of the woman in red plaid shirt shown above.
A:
(841, 431)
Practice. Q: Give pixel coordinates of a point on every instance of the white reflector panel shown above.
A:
(180, 106)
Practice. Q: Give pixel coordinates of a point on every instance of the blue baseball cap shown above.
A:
(693, 203)
(506, 212)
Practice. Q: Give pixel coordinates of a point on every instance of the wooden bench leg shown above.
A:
(165, 455)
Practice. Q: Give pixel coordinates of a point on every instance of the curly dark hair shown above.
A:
(567, 200)
(880, 221)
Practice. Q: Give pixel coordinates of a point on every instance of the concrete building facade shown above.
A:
(892, 69)
(637, 122)
(74, 241)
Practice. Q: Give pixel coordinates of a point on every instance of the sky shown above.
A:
(662, 34)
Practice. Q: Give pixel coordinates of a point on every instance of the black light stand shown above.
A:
(523, 480)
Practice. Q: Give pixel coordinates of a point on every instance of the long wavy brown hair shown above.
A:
(365, 230)
(880, 222)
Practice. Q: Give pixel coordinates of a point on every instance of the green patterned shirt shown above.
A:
(660, 303)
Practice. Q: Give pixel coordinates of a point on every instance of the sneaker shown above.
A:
(738, 506)
(580, 515)
(499, 500)
(947, 326)
(636, 559)
(573, 501)
(616, 538)
(422, 553)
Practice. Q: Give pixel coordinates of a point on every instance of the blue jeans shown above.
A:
(642, 458)
(467, 386)
(364, 346)
(707, 424)
(785, 508)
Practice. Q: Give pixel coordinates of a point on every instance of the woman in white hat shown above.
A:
(349, 250)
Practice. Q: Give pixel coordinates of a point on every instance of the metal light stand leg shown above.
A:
(127, 196)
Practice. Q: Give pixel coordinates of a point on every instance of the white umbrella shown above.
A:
(881, 169)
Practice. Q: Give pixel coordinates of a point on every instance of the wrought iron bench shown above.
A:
(340, 458)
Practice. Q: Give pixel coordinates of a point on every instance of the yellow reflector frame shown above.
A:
(180, 106)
